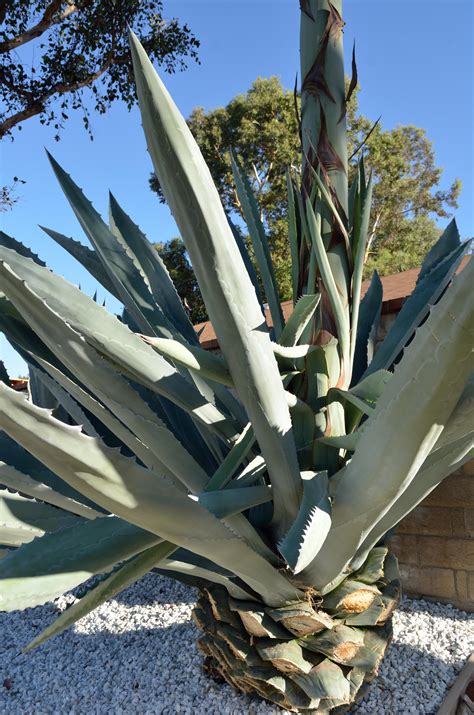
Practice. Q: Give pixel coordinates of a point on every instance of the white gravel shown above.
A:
(137, 654)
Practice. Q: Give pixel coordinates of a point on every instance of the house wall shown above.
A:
(435, 543)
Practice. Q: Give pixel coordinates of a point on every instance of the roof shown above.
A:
(396, 288)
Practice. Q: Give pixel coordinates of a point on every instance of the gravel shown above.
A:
(137, 654)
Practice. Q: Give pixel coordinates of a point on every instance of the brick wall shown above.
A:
(435, 543)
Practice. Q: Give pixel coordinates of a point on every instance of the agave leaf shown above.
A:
(437, 466)
(193, 358)
(416, 308)
(108, 385)
(14, 479)
(372, 386)
(448, 242)
(86, 257)
(227, 502)
(416, 398)
(107, 334)
(14, 245)
(344, 396)
(123, 268)
(142, 497)
(24, 462)
(252, 473)
(367, 326)
(232, 460)
(153, 268)
(292, 237)
(64, 399)
(47, 567)
(360, 244)
(259, 242)
(326, 680)
(461, 421)
(331, 206)
(296, 324)
(106, 589)
(22, 519)
(339, 310)
(308, 532)
(34, 348)
(237, 233)
(4, 376)
(225, 285)
(191, 573)
(345, 441)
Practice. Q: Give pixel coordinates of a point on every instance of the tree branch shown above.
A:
(39, 104)
(47, 21)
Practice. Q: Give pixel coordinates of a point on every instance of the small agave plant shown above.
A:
(268, 476)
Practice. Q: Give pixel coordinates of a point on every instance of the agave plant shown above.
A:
(267, 475)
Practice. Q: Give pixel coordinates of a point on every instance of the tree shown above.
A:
(179, 267)
(78, 46)
(262, 127)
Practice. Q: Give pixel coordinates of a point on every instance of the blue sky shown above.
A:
(415, 62)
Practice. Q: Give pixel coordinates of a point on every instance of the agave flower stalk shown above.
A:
(267, 476)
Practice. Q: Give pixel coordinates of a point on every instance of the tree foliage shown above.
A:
(53, 50)
(261, 125)
(179, 267)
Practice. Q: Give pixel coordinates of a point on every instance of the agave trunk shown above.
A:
(316, 655)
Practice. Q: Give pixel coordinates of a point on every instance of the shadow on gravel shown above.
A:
(134, 659)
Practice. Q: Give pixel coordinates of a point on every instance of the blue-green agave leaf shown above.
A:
(107, 588)
(88, 258)
(48, 566)
(367, 326)
(415, 309)
(138, 495)
(153, 268)
(310, 529)
(224, 281)
(23, 483)
(259, 242)
(22, 519)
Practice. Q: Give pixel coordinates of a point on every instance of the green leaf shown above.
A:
(259, 242)
(416, 398)
(415, 309)
(367, 326)
(448, 242)
(225, 285)
(339, 310)
(21, 519)
(372, 386)
(14, 479)
(325, 680)
(360, 244)
(309, 530)
(55, 563)
(292, 236)
(14, 245)
(237, 233)
(138, 495)
(4, 376)
(124, 272)
(106, 589)
(153, 268)
(86, 257)
(346, 441)
(232, 460)
(227, 502)
(203, 362)
(59, 303)
(302, 313)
